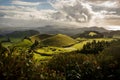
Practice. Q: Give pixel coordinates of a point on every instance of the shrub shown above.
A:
(20, 65)
(83, 67)
(16, 67)
(94, 47)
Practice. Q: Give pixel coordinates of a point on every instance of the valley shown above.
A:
(47, 45)
(50, 55)
(59, 39)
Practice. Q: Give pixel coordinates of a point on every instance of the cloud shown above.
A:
(23, 3)
(79, 12)
(27, 13)
(110, 4)
(106, 4)
(64, 10)
(73, 9)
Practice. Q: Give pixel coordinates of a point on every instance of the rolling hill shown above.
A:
(40, 37)
(89, 34)
(17, 36)
(114, 34)
(22, 34)
(52, 29)
(24, 43)
(59, 40)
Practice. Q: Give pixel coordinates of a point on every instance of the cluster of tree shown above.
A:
(104, 66)
(94, 47)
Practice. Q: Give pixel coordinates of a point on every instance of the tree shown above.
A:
(94, 47)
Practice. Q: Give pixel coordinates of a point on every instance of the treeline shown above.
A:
(94, 47)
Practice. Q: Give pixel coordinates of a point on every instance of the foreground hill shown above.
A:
(59, 40)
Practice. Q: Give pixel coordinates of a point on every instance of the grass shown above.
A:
(80, 45)
(6, 44)
(24, 43)
(15, 40)
(59, 40)
(51, 50)
(92, 34)
(35, 37)
(40, 37)
(38, 57)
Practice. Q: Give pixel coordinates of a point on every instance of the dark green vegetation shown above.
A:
(17, 36)
(94, 47)
(60, 57)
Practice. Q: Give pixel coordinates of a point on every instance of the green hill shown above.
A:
(113, 34)
(17, 36)
(89, 34)
(22, 34)
(40, 37)
(24, 43)
(59, 40)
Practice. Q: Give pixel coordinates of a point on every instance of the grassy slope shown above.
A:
(40, 37)
(57, 50)
(51, 50)
(35, 37)
(38, 57)
(92, 34)
(24, 43)
(59, 40)
(81, 44)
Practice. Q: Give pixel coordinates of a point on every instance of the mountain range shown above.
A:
(51, 29)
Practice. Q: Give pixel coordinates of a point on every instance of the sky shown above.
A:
(77, 13)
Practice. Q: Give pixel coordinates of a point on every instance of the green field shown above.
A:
(51, 57)
(54, 45)
(38, 57)
(56, 50)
